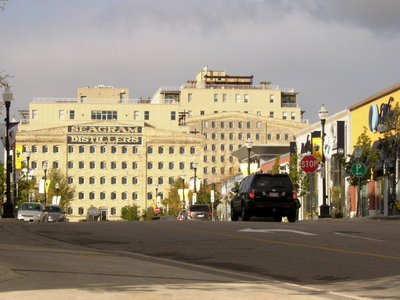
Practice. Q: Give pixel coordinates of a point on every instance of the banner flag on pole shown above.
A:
(12, 134)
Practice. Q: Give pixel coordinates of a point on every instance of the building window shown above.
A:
(45, 149)
(104, 115)
(171, 165)
(213, 124)
(237, 98)
(34, 114)
(124, 195)
(205, 170)
(258, 124)
(231, 124)
(231, 136)
(284, 115)
(70, 165)
(215, 97)
(286, 136)
(271, 98)
(102, 180)
(192, 150)
(113, 180)
(278, 136)
(258, 136)
(231, 147)
(134, 196)
(113, 195)
(205, 124)
(173, 115)
(205, 159)
(81, 149)
(113, 149)
(182, 150)
(92, 180)
(271, 114)
(34, 149)
(83, 99)
(222, 147)
(149, 149)
(114, 210)
(81, 180)
(81, 165)
(124, 149)
(135, 150)
(61, 115)
(102, 196)
(160, 165)
(70, 210)
(103, 165)
(149, 165)
(113, 165)
(258, 113)
(249, 125)
(213, 159)
(135, 165)
(160, 150)
(147, 115)
(124, 165)
(160, 180)
(72, 115)
(55, 164)
(213, 170)
(240, 136)
(213, 147)
(135, 115)
(293, 115)
(149, 196)
(70, 180)
(171, 150)
(134, 180)
(202, 112)
(269, 136)
(213, 136)
(81, 210)
(171, 180)
(248, 136)
(182, 165)
(56, 149)
(103, 149)
(124, 180)
(246, 98)
(222, 158)
(149, 180)
(224, 98)
(189, 98)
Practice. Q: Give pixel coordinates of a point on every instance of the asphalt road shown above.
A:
(335, 259)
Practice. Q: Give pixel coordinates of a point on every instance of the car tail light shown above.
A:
(294, 195)
(209, 213)
(252, 193)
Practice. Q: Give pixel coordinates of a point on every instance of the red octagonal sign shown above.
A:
(309, 163)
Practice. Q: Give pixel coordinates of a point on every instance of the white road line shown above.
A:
(358, 237)
(276, 230)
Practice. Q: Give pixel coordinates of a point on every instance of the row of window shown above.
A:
(113, 149)
(231, 124)
(122, 180)
(124, 165)
(214, 158)
(81, 211)
(237, 98)
(242, 136)
(114, 196)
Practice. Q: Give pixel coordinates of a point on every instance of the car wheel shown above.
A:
(245, 213)
(234, 214)
(277, 218)
(292, 217)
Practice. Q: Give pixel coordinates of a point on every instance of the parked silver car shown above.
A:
(55, 213)
(32, 212)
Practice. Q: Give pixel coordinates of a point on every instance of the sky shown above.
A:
(332, 52)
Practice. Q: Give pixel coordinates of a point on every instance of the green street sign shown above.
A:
(358, 169)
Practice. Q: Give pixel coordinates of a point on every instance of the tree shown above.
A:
(277, 166)
(299, 178)
(130, 213)
(173, 201)
(2, 180)
(66, 192)
(204, 195)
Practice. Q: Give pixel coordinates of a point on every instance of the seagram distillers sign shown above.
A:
(78, 134)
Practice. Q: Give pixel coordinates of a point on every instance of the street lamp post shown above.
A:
(194, 166)
(45, 166)
(8, 206)
(28, 157)
(324, 208)
(249, 145)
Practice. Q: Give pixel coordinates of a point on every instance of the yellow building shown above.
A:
(118, 151)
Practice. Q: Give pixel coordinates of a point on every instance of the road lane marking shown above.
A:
(358, 237)
(279, 242)
(275, 230)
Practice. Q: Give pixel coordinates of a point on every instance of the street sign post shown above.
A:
(309, 163)
(358, 169)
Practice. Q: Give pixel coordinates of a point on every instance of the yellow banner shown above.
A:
(47, 185)
(316, 143)
(18, 157)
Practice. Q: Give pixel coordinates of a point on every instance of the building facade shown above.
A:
(116, 151)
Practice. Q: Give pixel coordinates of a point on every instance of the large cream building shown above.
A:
(118, 151)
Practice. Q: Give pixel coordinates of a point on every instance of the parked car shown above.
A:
(55, 213)
(32, 212)
(199, 212)
(182, 215)
(265, 195)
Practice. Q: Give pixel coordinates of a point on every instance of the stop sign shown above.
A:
(156, 210)
(309, 163)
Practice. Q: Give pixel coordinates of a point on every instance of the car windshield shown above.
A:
(272, 181)
(53, 209)
(30, 206)
(199, 208)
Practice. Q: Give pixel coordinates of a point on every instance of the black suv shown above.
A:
(265, 195)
